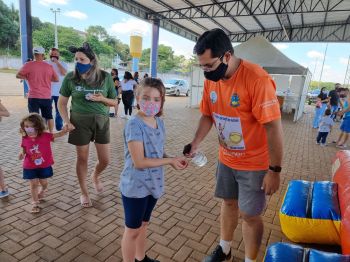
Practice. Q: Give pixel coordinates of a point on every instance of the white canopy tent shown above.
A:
(292, 80)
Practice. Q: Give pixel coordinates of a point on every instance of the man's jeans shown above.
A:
(58, 118)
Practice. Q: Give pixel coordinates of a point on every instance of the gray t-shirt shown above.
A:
(326, 124)
(139, 183)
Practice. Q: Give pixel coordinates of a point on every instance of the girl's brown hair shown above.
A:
(153, 83)
(36, 120)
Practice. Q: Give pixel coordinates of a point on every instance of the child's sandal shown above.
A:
(35, 208)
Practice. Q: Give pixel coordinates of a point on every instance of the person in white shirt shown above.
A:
(128, 85)
(60, 68)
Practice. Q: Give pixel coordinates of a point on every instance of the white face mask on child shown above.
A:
(30, 131)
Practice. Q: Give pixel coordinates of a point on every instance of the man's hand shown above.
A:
(54, 59)
(271, 182)
(190, 150)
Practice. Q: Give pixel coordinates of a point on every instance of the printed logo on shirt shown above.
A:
(235, 100)
(213, 97)
(36, 156)
(79, 88)
(229, 132)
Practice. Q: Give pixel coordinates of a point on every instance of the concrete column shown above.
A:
(25, 18)
(135, 64)
(154, 48)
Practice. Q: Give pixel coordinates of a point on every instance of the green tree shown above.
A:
(67, 37)
(118, 48)
(9, 26)
(319, 85)
(36, 23)
(45, 37)
(97, 31)
(145, 57)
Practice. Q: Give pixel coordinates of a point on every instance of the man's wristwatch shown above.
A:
(276, 169)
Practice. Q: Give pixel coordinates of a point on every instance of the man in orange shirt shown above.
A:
(239, 99)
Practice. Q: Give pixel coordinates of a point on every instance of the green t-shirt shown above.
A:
(79, 91)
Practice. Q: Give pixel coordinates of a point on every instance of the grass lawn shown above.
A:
(8, 70)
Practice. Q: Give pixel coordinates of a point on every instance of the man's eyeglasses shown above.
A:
(210, 67)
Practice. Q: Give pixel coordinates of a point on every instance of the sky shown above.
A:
(80, 14)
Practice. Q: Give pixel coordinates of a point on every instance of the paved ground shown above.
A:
(185, 223)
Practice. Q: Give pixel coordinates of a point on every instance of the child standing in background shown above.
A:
(37, 155)
(325, 127)
(4, 192)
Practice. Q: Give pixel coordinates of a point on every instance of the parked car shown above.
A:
(177, 87)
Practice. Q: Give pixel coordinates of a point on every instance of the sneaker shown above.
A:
(111, 114)
(147, 259)
(317, 143)
(218, 255)
(123, 116)
(128, 117)
(323, 145)
(4, 193)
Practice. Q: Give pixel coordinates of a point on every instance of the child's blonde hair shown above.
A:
(153, 83)
(36, 120)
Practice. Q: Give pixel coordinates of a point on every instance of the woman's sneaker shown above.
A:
(218, 255)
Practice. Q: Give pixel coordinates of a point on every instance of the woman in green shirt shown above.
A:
(92, 92)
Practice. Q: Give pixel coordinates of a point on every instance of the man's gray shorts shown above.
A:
(242, 185)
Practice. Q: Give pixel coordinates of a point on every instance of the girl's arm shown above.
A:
(140, 161)
(3, 110)
(59, 134)
(21, 154)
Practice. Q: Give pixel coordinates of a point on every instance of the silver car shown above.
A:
(177, 87)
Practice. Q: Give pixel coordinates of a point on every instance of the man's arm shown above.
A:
(54, 77)
(275, 141)
(63, 70)
(20, 76)
(204, 126)
(274, 134)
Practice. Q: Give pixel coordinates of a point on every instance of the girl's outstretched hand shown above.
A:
(179, 163)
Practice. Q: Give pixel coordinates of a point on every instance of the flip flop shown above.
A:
(97, 186)
(85, 201)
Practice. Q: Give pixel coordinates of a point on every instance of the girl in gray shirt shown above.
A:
(142, 179)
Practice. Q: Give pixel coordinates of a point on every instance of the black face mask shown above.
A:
(217, 74)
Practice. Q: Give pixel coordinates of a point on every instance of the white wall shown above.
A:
(197, 86)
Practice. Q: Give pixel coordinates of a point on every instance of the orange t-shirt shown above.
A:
(239, 107)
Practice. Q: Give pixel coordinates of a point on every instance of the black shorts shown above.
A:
(138, 210)
(40, 105)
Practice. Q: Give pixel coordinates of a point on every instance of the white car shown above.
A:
(177, 87)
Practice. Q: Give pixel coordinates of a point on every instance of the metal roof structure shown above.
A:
(277, 20)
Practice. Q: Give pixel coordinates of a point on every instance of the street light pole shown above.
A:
(55, 11)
